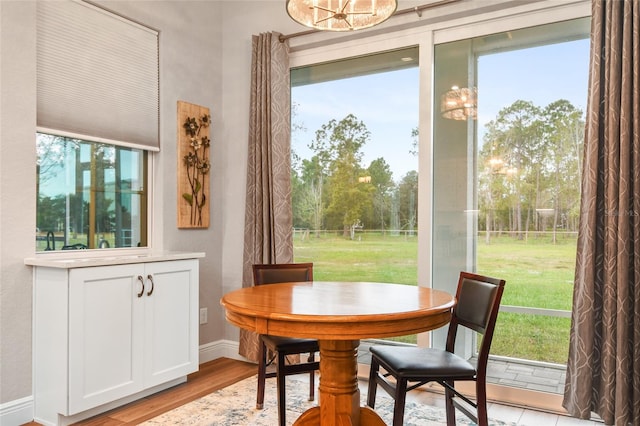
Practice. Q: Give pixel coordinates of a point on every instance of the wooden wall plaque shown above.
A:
(194, 165)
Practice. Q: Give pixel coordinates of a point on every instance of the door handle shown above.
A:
(141, 282)
(150, 278)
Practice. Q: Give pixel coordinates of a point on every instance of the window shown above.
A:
(97, 118)
(354, 167)
(90, 195)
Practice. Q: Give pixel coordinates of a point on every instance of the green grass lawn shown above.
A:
(538, 273)
(371, 258)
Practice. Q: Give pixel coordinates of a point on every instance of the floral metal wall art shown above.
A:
(194, 165)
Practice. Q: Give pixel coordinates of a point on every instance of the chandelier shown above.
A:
(340, 15)
(459, 103)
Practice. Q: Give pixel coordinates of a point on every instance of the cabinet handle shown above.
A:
(150, 278)
(141, 282)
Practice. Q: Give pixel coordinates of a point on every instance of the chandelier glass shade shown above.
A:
(340, 15)
(460, 103)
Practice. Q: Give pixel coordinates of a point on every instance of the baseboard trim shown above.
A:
(219, 349)
(17, 412)
(21, 410)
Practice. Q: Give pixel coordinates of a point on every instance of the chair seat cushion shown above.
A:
(290, 345)
(423, 363)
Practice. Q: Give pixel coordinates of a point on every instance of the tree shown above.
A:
(50, 213)
(338, 145)
(298, 198)
(408, 201)
(333, 190)
(296, 126)
(531, 158)
(382, 182)
(309, 202)
(307, 181)
(512, 147)
(564, 132)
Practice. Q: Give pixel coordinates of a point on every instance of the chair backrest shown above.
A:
(282, 273)
(478, 301)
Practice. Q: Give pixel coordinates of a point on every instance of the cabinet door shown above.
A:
(171, 311)
(106, 323)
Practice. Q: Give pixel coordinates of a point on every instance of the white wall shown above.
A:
(17, 193)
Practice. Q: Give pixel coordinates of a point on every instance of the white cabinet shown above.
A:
(105, 333)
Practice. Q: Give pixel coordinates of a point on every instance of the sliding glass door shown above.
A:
(491, 181)
(355, 168)
(508, 129)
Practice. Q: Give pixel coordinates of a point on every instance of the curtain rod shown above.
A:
(417, 9)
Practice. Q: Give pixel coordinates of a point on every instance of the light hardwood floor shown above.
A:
(223, 372)
(212, 376)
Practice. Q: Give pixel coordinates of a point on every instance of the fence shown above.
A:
(302, 234)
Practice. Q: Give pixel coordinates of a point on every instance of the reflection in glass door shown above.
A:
(509, 120)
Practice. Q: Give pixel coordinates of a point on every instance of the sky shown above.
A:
(541, 75)
(388, 102)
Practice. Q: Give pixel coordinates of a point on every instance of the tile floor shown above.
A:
(520, 416)
(540, 377)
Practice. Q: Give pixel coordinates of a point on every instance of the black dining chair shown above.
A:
(478, 300)
(277, 348)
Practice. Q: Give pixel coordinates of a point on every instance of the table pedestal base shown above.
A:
(339, 395)
(368, 417)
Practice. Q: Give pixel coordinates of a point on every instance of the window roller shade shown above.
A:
(97, 75)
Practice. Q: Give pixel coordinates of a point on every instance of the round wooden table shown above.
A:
(338, 314)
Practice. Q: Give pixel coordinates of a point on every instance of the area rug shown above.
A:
(236, 405)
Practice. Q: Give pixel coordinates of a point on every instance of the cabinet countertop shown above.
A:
(89, 261)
